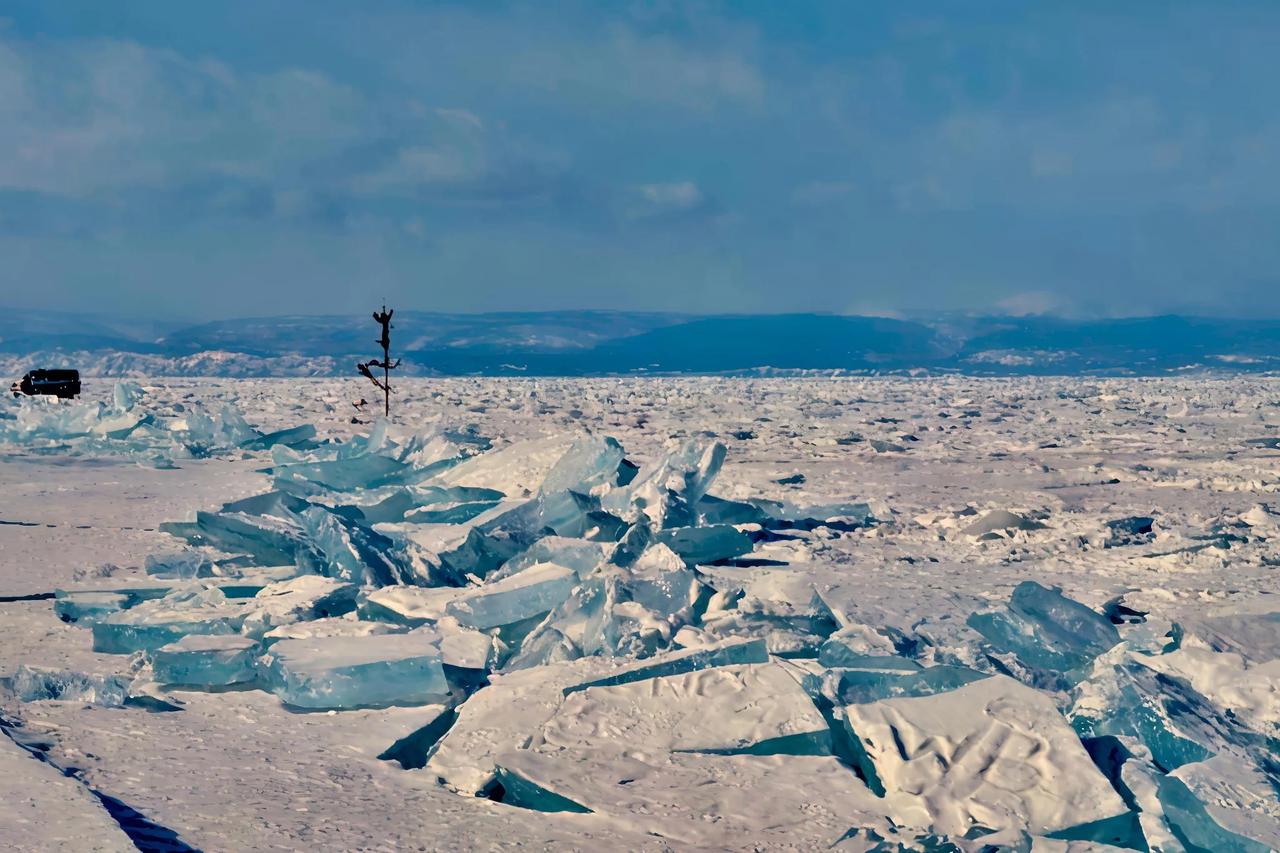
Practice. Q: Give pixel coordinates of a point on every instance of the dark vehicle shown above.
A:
(63, 384)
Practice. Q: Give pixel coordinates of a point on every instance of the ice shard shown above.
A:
(1253, 636)
(363, 471)
(304, 598)
(184, 565)
(522, 792)
(338, 626)
(37, 683)
(862, 647)
(713, 510)
(157, 623)
(591, 463)
(660, 581)
(532, 592)
(780, 605)
(1175, 723)
(407, 605)
(516, 470)
(1047, 630)
(859, 686)
(343, 549)
(272, 540)
(1222, 804)
(726, 653)
(666, 492)
(206, 660)
(88, 606)
(302, 436)
(701, 545)
(787, 514)
(578, 554)
(352, 672)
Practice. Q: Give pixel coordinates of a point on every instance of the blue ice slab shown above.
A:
(297, 600)
(714, 510)
(590, 462)
(89, 606)
(727, 653)
(497, 535)
(274, 503)
(205, 435)
(521, 791)
(271, 540)
(207, 660)
(580, 555)
(554, 513)
(37, 683)
(458, 513)
(418, 504)
(363, 471)
(341, 548)
(425, 496)
(125, 395)
(1177, 724)
(1046, 630)
(294, 437)
(184, 565)
(534, 591)
(157, 623)
(860, 686)
(435, 444)
(859, 646)
(837, 656)
(460, 648)
(353, 672)
(1193, 824)
(378, 506)
(406, 605)
(701, 545)
(660, 581)
(667, 491)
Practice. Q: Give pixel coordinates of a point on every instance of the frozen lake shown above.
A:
(841, 684)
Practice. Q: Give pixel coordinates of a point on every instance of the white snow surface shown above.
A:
(1000, 481)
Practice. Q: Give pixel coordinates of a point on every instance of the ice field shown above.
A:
(670, 614)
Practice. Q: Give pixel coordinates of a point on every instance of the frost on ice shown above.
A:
(596, 636)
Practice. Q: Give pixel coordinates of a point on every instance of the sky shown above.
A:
(251, 157)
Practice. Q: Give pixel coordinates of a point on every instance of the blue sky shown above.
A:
(235, 158)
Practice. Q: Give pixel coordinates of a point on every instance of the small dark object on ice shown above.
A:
(63, 384)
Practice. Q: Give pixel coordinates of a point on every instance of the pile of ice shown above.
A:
(588, 636)
(128, 426)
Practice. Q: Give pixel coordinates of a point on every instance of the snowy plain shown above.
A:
(975, 486)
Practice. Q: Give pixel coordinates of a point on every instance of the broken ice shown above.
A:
(206, 660)
(353, 672)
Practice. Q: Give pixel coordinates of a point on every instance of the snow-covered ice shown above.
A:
(866, 614)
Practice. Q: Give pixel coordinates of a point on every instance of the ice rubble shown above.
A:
(127, 426)
(588, 633)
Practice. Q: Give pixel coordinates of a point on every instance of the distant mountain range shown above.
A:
(587, 343)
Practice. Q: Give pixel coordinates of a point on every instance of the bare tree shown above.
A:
(383, 319)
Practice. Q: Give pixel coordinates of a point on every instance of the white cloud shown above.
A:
(682, 195)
